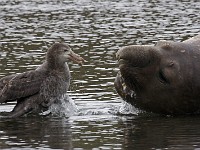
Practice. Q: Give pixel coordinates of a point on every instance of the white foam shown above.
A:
(128, 109)
(65, 108)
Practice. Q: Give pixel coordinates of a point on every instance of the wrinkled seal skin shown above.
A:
(162, 78)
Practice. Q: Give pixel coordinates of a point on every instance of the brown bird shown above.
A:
(38, 89)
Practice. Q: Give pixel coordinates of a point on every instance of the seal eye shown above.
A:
(163, 78)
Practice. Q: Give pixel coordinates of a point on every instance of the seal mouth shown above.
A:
(76, 58)
(123, 90)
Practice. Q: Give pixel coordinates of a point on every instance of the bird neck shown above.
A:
(61, 69)
(54, 63)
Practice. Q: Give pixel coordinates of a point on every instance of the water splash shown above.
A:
(109, 110)
(65, 108)
(123, 108)
(128, 109)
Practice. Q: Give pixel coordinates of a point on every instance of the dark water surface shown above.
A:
(95, 29)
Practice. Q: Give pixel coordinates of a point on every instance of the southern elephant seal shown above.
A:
(162, 78)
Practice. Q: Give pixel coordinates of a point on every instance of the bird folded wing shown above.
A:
(21, 85)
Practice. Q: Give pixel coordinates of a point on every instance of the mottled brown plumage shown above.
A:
(39, 88)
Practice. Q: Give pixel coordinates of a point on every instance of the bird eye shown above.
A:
(65, 49)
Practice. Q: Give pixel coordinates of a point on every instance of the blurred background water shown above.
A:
(95, 29)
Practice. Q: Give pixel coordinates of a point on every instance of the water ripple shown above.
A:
(95, 29)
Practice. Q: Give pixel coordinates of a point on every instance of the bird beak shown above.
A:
(76, 58)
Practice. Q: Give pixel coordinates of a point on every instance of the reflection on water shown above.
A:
(36, 133)
(142, 132)
(162, 133)
(95, 29)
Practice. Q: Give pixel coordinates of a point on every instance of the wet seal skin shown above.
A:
(162, 78)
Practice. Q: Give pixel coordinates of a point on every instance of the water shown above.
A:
(95, 29)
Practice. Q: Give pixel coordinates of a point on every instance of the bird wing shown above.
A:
(20, 85)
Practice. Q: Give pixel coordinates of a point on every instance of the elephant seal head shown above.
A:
(163, 79)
